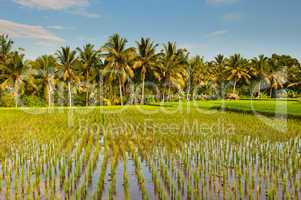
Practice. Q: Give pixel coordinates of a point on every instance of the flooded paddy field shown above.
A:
(147, 153)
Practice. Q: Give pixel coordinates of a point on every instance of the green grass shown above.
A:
(291, 108)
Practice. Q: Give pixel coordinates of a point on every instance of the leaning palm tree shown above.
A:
(147, 60)
(237, 70)
(45, 67)
(15, 73)
(174, 66)
(118, 61)
(67, 60)
(260, 65)
(88, 58)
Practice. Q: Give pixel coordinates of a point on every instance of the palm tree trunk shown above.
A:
(120, 91)
(69, 93)
(49, 95)
(259, 88)
(87, 91)
(142, 94)
(234, 86)
(271, 92)
(16, 88)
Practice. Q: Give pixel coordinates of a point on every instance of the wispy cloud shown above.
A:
(58, 27)
(75, 7)
(232, 17)
(84, 13)
(36, 33)
(221, 1)
(216, 33)
(53, 4)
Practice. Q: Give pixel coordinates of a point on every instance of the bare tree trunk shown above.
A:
(16, 88)
(87, 91)
(234, 86)
(259, 88)
(120, 91)
(69, 94)
(49, 95)
(142, 95)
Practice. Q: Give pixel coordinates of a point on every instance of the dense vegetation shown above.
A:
(117, 74)
(146, 155)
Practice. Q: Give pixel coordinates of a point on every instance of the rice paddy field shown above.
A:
(147, 152)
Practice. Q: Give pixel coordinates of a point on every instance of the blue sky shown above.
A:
(204, 27)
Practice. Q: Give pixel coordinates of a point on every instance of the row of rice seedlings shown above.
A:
(112, 187)
(138, 171)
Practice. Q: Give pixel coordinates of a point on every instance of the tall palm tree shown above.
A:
(276, 75)
(237, 70)
(196, 73)
(147, 60)
(174, 66)
(260, 65)
(118, 61)
(67, 60)
(5, 47)
(219, 68)
(89, 58)
(14, 75)
(45, 66)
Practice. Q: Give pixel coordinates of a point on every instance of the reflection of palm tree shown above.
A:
(45, 73)
(88, 58)
(260, 66)
(15, 73)
(118, 59)
(147, 60)
(236, 69)
(67, 60)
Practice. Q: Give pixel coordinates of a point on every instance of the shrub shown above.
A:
(33, 101)
(7, 100)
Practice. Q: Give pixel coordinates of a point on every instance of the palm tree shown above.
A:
(174, 66)
(67, 60)
(236, 70)
(197, 74)
(260, 65)
(147, 60)
(118, 60)
(276, 75)
(45, 66)
(88, 58)
(14, 74)
(5, 47)
(219, 68)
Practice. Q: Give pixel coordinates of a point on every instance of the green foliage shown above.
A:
(7, 100)
(34, 101)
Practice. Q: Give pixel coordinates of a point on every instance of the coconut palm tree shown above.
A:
(237, 69)
(174, 66)
(88, 58)
(218, 77)
(5, 47)
(15, 72)
(197, 74)
(147, 60)
(67, 60)
(276, 75)
(260, 65)
(45, 67)
(118, 61)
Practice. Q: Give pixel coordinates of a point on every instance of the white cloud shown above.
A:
(84, 13)
(36, 33)
(221, 1)
(232, 17)
(58, 27)
(53, 4)
(217, 33)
